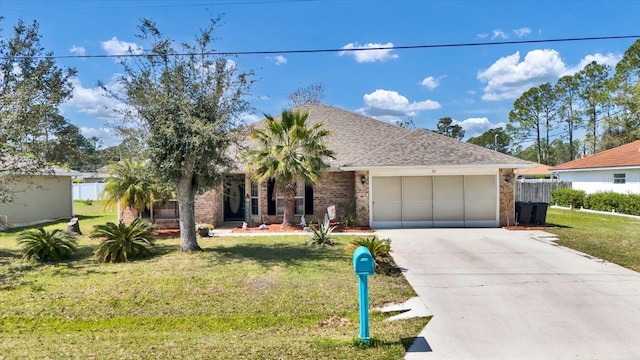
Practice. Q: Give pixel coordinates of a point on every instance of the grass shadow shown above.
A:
(274, 254)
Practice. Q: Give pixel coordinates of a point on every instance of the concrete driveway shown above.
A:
(498, 294)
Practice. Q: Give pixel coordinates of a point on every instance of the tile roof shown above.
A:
(540, 169)
(361, 141)
(621, 156)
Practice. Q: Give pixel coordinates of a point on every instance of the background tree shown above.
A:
(289, 151)
(187, 108)
(31, 88)
(525, 120)
(548, 102)
(495, 139)
(567, 89)
(306, 95)
(627, 95)
(594, 93)
(446, 127)
(407, 124)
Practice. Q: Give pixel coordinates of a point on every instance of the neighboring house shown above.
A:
(98, 176)
(616, 170)
(398, 178)
(538, 173)
(39, 198)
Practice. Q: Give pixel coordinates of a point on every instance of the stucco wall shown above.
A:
(602, 180)
(39, 198)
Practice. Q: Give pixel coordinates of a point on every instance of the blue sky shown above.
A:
(476, 86)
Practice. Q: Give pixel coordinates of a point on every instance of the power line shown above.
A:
(334, 50)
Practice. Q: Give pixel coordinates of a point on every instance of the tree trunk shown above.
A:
(289, 204)
(186, 202)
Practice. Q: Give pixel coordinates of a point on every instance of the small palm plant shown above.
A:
(322, 235)
(42, 245)
(379, 249)
(121, 242)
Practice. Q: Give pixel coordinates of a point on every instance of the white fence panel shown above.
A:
(89, 191)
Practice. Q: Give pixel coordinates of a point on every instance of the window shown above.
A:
(254, 198)
(299, 209)
(619, 178)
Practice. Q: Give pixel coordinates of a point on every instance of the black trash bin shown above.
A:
(539, 213)
(524, 211)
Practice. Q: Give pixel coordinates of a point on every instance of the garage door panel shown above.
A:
(448, 188)
(480, 210)
(480, 187)
(417, 210)
(387, 198)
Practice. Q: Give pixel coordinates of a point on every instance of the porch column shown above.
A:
(362, 197)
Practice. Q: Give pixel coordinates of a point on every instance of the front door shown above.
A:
(234, 198)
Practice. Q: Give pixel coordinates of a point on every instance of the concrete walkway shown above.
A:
(498, 294)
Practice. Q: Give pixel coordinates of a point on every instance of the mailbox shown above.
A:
(363, 261)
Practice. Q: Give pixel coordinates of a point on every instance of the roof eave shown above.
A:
(597, 168)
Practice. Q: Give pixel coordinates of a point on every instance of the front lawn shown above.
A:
(612, 238)
(243, 297)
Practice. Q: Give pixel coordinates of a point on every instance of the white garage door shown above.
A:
(434, 201)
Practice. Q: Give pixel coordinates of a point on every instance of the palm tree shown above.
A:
(129, 185)
(289, 151)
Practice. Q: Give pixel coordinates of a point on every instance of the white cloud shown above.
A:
(361, 56)
(522, 31)
(278, 60)
(390, 105)
(119, 47)
(94, 101)
(608, 59)
(482, 36)
(430, 82)
(476, 126)
(509, 77)
(106, 135)
(78, 50)
(250, 118)
(499, 34)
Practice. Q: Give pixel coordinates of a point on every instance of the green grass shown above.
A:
(243, 297)
(612, 238)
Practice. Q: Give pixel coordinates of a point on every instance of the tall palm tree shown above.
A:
(289, 151)
(129, 185)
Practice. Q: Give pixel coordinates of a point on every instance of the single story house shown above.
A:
(39, 198)
(398, 178)
(616, 170)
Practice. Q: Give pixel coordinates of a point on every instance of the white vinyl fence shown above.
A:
(89, 191)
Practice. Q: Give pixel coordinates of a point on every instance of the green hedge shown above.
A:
(568, 197)
(607, 201)
(602, 201)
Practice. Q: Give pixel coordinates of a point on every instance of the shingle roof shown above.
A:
(540, 169)
(361, 141)
(422, 147)
(621, 156)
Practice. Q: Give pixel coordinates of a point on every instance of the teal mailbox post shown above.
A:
(363, 266)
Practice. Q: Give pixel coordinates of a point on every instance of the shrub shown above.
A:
(607, 201)
(350, 212)
(322, 235)
(122, 243)
(380, 251)
(88, 202)
(42, 245)
(568, 197)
